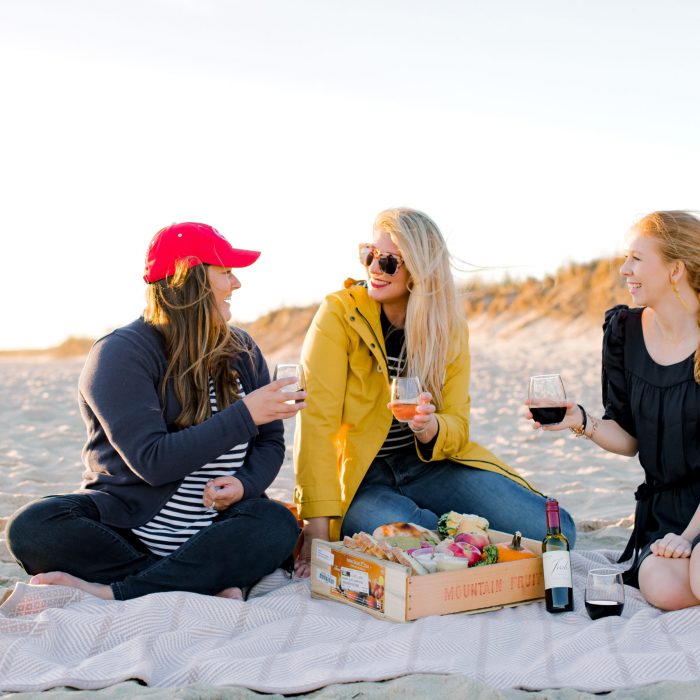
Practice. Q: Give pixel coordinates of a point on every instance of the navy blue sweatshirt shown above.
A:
(134, 455)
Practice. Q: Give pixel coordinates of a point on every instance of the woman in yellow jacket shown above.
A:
(357, 467)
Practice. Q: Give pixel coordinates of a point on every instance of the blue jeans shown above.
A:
(401, 488)
(245, 542)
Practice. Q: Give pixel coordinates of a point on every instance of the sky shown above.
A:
(534, 133)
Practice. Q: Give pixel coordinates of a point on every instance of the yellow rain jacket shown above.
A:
(346, 418)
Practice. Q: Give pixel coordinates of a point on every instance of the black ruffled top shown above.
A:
(660, 406)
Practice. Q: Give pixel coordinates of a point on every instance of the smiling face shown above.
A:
(383, 288)
(223, 282)
(647, 274)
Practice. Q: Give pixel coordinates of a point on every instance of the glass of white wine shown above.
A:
(287, 370)
(404, 398)
(546, 398)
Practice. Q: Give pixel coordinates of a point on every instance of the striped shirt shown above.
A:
(400, 436)
(185, 514)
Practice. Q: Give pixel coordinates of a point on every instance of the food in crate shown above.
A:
(460, 542)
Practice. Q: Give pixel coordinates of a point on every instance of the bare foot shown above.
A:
(302, 569)
(233, 593)
(59, 578)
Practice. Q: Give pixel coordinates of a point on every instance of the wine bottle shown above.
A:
(556, 561)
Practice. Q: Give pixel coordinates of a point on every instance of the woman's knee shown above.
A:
(664, 583)
(276, 520)
(374, 506)
(40, 528)
(25, 524)
(694, 571)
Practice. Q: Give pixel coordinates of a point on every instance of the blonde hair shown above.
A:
(199, 343)
(432, 315)
(678, 236)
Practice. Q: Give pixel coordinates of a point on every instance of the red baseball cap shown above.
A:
(196, 243)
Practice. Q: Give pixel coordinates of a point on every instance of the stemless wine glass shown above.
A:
(291, 369)
(605, 593)
(404, 398)
(546, 398)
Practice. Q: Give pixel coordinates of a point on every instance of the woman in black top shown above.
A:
(651, 395)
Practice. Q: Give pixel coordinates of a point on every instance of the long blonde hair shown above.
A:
(432, 315)
(678, 235)
(199, 343)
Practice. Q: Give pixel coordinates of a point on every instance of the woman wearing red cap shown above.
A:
(184, 434)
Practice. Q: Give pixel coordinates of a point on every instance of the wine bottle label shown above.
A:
(557, 570)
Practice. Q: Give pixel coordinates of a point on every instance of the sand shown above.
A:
(41, 435)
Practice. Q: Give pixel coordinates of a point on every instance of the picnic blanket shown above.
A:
(287, 642)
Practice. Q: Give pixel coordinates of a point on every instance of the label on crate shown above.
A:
(358, 580)
(325, 555)
(326, 578)
(351, 580)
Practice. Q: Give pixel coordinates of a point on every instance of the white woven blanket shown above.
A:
(287, 642)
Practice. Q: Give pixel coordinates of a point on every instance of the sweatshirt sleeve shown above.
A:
(121, 405)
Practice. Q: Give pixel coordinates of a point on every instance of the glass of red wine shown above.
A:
(605, 593)
(546, 397)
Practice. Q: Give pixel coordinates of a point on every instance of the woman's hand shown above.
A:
(268, 403)
(315, 527)
(572, 418)
(671, 546)
(222, 492)
(424, 425)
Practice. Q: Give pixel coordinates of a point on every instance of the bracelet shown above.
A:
(581, 430)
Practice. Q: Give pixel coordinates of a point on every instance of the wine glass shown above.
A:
(404, 398)
(605, 593)
(546, 398)
(291, 369)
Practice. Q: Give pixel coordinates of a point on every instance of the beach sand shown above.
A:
(41, 436)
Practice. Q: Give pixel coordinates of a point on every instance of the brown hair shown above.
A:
(678, 235)
(199, 343)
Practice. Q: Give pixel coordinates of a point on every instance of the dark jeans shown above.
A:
(402, 488)
(63, 533)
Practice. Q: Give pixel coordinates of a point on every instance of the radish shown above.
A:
(464, 550)
(478, 539)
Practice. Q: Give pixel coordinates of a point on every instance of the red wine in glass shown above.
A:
(546, 398)
(605, 593)
(603, 608)
(548, 415)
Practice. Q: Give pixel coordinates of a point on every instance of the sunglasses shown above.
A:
(389, 263)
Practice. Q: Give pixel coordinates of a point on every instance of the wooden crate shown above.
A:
(386, 590)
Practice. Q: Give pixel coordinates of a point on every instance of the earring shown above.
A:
(678, 294)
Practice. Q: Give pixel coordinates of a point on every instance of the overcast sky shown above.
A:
(533, 133)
